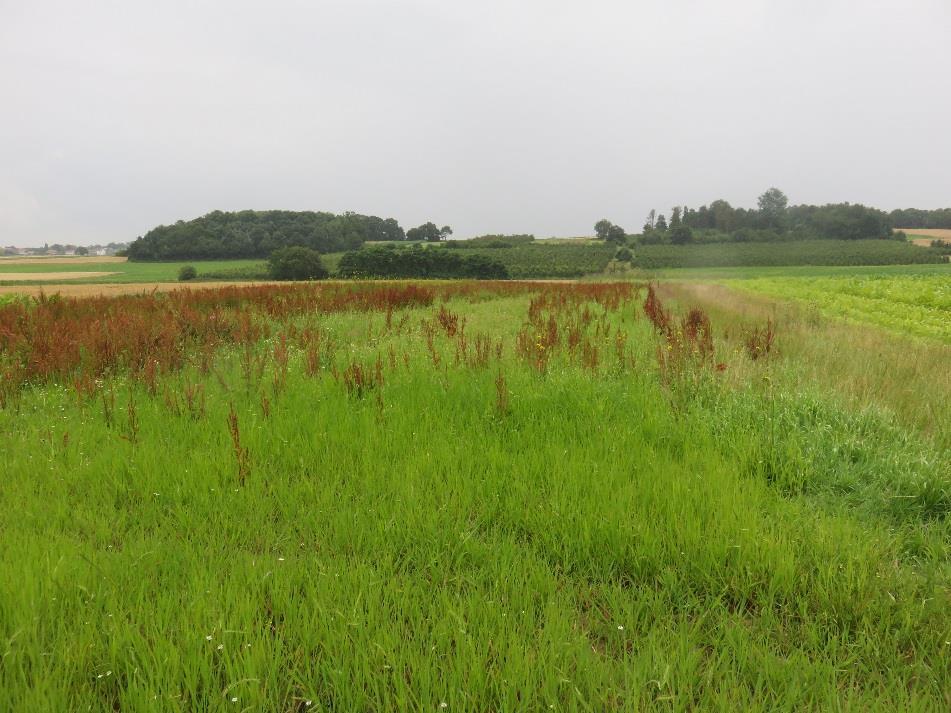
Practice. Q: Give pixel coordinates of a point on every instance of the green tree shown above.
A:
(616, 234)
(429, 232)
(675, 216)
(82, 251)
(772, 208)
(296, 263)
(188, 272)
(602, 228)
(681, 235)
(661, 223)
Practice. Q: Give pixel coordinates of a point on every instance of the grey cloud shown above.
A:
(491, 116)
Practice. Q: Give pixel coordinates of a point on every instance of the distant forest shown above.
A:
(915, 218)
(256, 234)
(775, 220)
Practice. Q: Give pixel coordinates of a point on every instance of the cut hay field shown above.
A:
(924, 236)
(469, 497)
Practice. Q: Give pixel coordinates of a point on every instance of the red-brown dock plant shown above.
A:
(242, 457)
(501, 395)
(759, 342)
(359, 380)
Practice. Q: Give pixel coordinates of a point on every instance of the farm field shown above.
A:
(924, 236)
(784, 254)
(746, 273)
(471, 496)
(53, 270)
(913, 304)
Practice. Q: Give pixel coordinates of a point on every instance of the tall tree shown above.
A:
(772, 208)
(661, 223)
(602, 229)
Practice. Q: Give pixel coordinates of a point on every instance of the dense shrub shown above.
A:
(559, 260)
(491, 241)
(295, 264)
(681, 235)
(188, 272)
(432, 262)
(802, 252)
(248, 272)
(623, 255)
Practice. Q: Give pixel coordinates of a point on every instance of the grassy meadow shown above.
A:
(121, 272)
(470, 497)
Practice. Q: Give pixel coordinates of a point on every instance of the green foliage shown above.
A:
(774, 217)
(419, 262)
(82, 251)
(916, 218)
(295, 263)
(491, 241)
(680, 234)
(623, 255)
(843, 221)
(256, 234)
(772, 208)
(187, 272)
(244, 272)
(429, 232)
(543, 260)
(608, 231)
(803, 252)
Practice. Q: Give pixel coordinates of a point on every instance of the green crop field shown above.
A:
(549, 259)
(913, 304)
(784, 253)
(470, 497)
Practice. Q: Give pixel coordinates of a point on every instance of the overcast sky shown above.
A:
(536, 116)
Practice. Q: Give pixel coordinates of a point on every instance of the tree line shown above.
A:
(917, 218)
(257, 234)
(774, 219)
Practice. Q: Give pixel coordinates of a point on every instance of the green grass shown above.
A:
(605, 543)
(125, 272)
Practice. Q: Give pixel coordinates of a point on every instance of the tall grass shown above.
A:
(486, 498)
